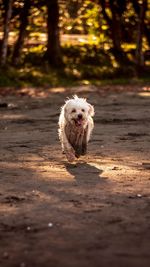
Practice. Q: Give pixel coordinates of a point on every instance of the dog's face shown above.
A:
(77, 111)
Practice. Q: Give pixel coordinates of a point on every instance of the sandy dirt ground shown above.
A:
(94, 212)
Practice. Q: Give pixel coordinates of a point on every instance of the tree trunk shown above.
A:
(139, 53)
(115, 26)
(116, 32)
(53, 43)
(4, 46)
(22, 31)
(146, 29)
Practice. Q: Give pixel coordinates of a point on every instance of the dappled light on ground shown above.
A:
(84, 88)
(13, 117)
(10, 210)
(82, 208)
(145, 93)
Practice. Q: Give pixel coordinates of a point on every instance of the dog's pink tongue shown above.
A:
(79, 122)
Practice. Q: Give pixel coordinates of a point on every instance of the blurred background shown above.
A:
(53, 42)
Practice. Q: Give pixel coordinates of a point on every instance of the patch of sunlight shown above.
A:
(12, 37)
(146, 88)
(4, 207)
(131, 57)
(147, 63)
(38, 35)
(25, 49)
(79, 39)
(54, 173)
(106, 46)
(93, 40)
(83, 88)
(57, 90)
(76, 72)
(94, 37)
(31, 71)
(25, 70)
(85, 82)
(96, 165)
(68, 27)
(12, 165)
(13, 116)
(36, 49)
(36, 73)
(144, 94)
(113, 61)
(105, 27)
(127, 46)
(82, 40)
(131, 163)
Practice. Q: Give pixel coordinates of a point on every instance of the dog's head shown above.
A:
(78, 110)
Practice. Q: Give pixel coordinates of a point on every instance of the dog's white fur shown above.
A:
(73, 109)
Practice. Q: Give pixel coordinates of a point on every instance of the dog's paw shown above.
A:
(80, 150)
(77, 151)
(70, 156)
(84, 149)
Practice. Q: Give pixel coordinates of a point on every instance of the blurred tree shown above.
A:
(140, 31)
(53, 52)
(24, 14)
(146, 24)
(121, 25)
(112, 11)
(4, 44)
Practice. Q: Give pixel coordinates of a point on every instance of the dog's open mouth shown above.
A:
(78, 122)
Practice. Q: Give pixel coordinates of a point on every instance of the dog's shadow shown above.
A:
(85, 174)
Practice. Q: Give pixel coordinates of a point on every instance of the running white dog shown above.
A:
(75, 127)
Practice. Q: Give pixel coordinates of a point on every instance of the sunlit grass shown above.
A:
(126, 47)
(83, 64)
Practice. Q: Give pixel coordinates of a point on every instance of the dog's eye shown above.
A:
(74, 110)
(83, 110)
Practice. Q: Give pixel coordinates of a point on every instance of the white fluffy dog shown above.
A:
(75, 127)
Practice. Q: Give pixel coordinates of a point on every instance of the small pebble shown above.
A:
(50, 225)
(115, 168)
(28, 228)
(139, 195)
(11, 105)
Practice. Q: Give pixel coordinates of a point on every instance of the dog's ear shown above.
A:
(65, 109)
(91, 110)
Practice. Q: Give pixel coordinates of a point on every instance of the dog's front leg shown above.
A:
(67, 148)
(90, 127)
(84, 142)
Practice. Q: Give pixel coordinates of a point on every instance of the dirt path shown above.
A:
(92, 213)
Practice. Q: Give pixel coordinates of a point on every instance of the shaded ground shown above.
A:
(95, 212)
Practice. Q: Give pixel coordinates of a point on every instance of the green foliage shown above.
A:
(29, 75)
(83, 64)
(90, 57)
(80, 17)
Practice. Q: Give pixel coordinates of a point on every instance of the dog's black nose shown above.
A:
(79, 116)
